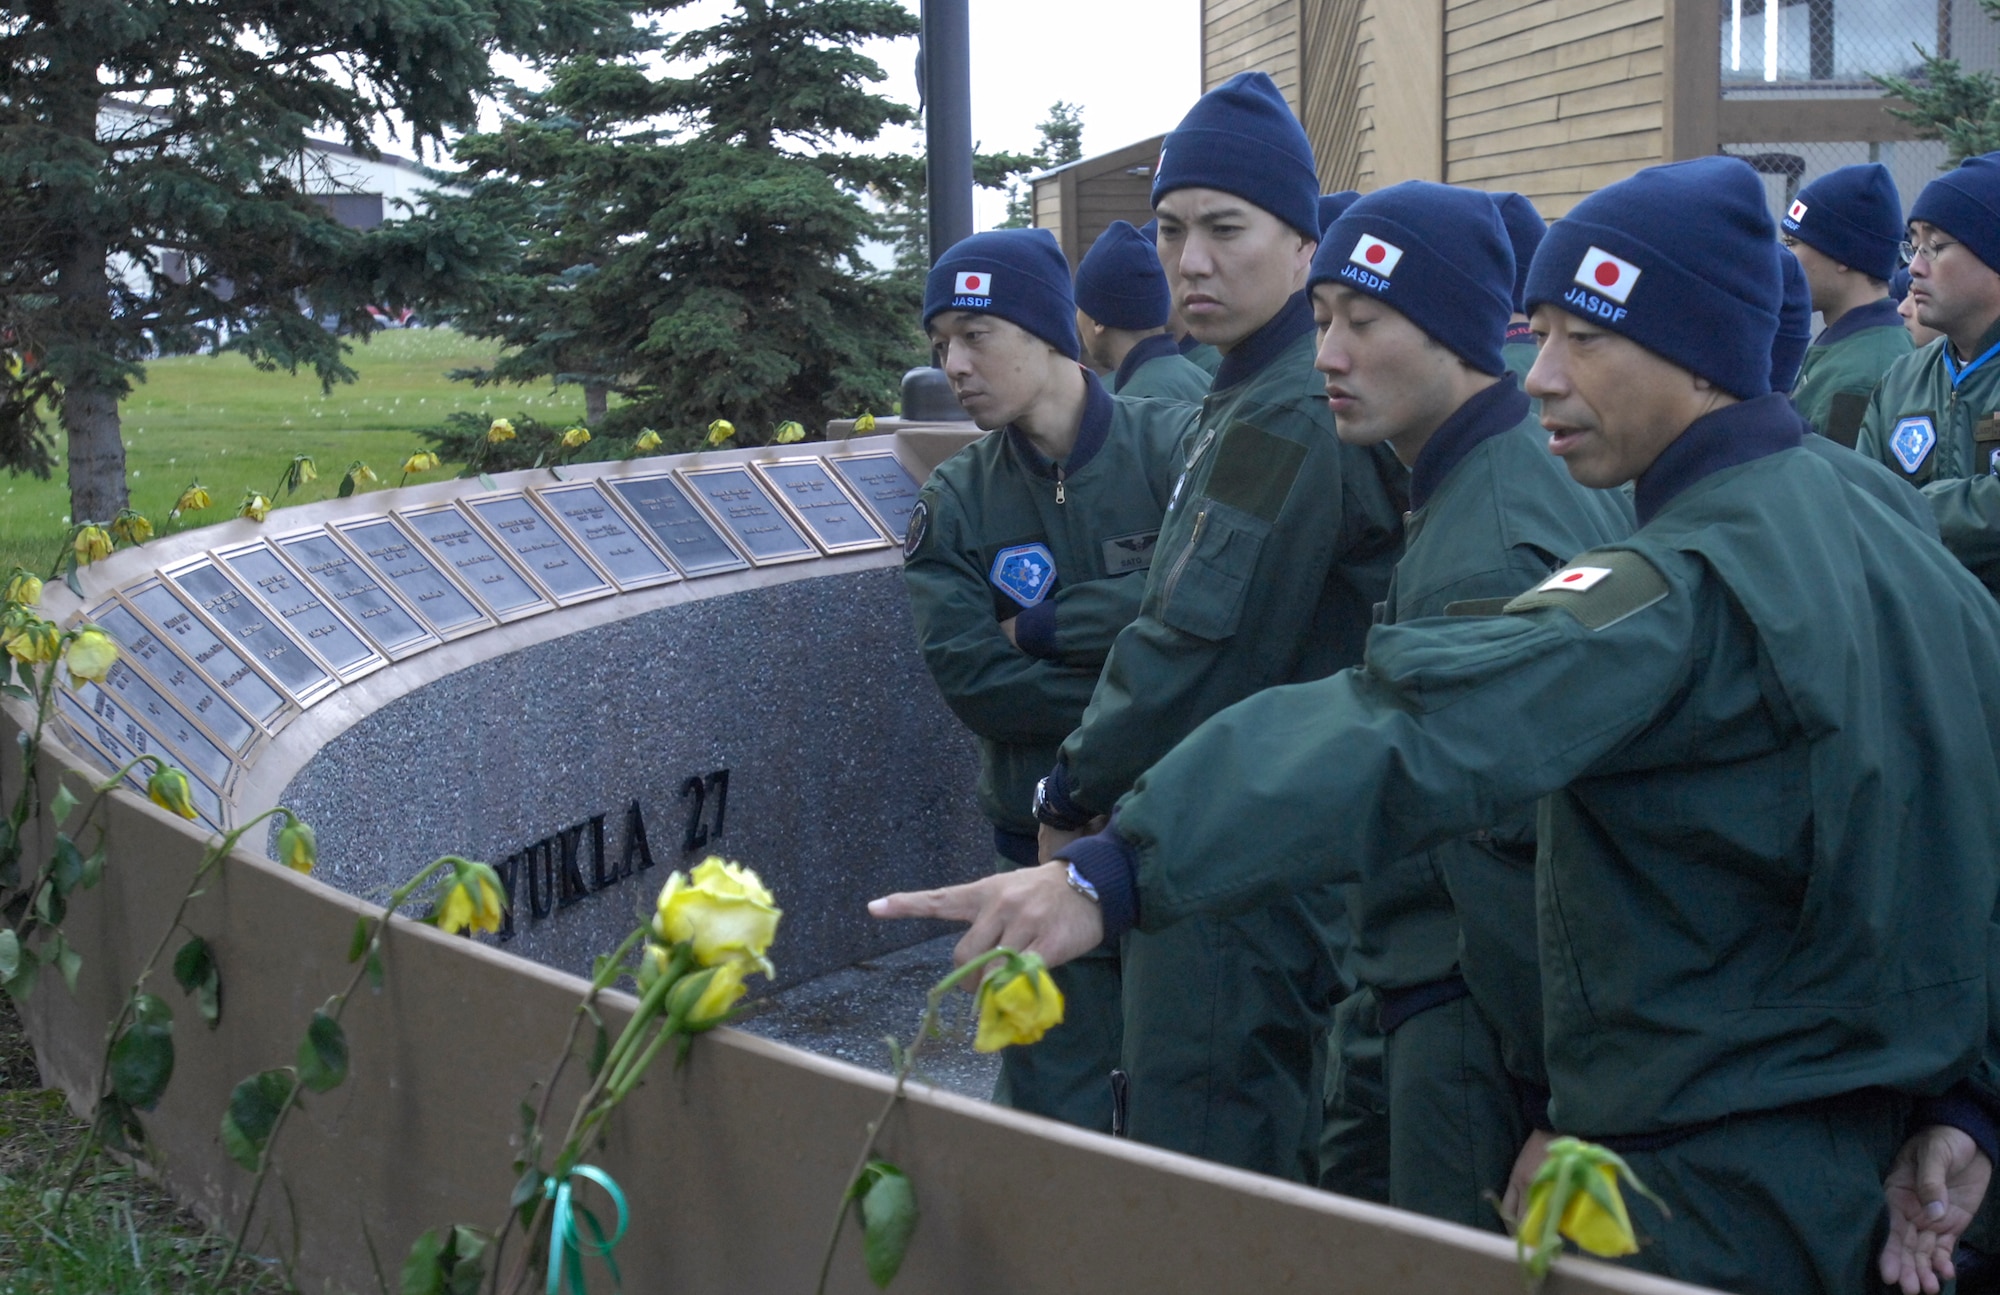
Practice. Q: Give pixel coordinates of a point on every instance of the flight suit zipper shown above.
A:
(1180, 564)
(1060, 496)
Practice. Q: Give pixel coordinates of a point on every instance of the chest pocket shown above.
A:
(1205, 583)
(1986, 446)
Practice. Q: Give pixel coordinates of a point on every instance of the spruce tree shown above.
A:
(1062, 143)
(1946, 102)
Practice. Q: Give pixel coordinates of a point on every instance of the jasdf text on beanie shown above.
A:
(1119, 282)
(1525, 228)
(1242, 138)
(1788, 344)
(1853, 215)
(1018, 274)
(1437, 254)
(1679, 258)
(1965, 203)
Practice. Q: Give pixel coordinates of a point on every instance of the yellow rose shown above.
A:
(193, 499)
(499, 430)
(864, 424)
(648, 440)
(574, 437)
(421, 461)
(13, 364)
(91, 655)
(131, 527)
(92, 542)
(720, 430)
(24, 588)
(1017, 1004)
(306, 471)
(722, 910)
(473, 900)
(33, 640)
(1606, 1233)
(789, 433)
(254, 506)
(168, 788)
(298, 849)
(363, 474)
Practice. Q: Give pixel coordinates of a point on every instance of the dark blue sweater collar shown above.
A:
(1499, 408)
(1253, 353)
(1189, 343)
(1157, 347)
(1876, 314)
(1736, 434)
(1090, 437)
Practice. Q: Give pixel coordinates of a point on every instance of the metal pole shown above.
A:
(947, 60)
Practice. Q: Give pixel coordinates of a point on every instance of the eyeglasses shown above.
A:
(1787, 242)
(1929, 251)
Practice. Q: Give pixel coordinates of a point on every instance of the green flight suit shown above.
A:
(1842, 366)
(1937, 424)
(1278, 543)
(1518, 352)
(995, 499)
(1155, 369)
(1446, 938)
(1765, 736)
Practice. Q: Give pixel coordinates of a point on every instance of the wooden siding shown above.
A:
(1079, 201)
(1330, 74)
(1365, 74)
(1553, 98)
(1252, 36)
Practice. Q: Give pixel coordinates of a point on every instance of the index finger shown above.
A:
(953, 904)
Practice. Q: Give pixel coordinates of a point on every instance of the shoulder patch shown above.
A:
(1254, 470)
(920, 526)
(1599, 588)
(1844, 416)
(1024, 573)
(1912, 440)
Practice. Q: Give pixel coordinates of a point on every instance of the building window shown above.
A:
(1834, 44)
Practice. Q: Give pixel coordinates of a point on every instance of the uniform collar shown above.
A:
(1499, 408)
(1250, 356)
(1158, 347)
(1876, 314)
(1189, 343)
(1090, 437)
(1737, 434)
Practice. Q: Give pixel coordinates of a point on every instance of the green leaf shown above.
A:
(64, 802)
(526, 1189)
(375, 970)
(50, 906)
(486, 480)
(10, 954)
(253, 1111)
(16, 691)
(346, 489)
(65, 959)
(93, 869)
(69, 578)
(118, 1124)
(323, 1054)
(600, 1050)
(423, 1271)
(359, 944)
(464, 1259)
(22, 983)
(66, 868)
(142, 1060)
(888, 1220)
(196, 973)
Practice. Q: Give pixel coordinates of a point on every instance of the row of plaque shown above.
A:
(221, 651)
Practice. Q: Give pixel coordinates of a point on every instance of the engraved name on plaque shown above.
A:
(218, 662)
(311, 618)
(348, 585)
(164, 666)
(490, 576)
(884, 487)
(680, 527)
(254, 631)
(93, 730)
(395, 557)
(761, 529)
(809, 490)
(595, 522)
(541, 548)
(192, 749)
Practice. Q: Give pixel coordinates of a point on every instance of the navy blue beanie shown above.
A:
(1120, 283)
(1679, 258)
(1788, 345)
(1853, 215)
(1525, 228)
(1437, 254)
(1020, 275)
(1965, 203)
(1242, 138)
(1899, 284)
(1331, 205)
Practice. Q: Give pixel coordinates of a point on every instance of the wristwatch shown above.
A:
(1047, 812)
(1081, 884)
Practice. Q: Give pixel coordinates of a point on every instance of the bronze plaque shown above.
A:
(484, 569)
(761, 529)
(256, 631)
(194, 695)
(217, 661)
(539, 547)
(883, 485)
(107, 733)
(396, 557)
(348, 585)
(182, 739)
(682, 529)
(835, 522)
(593, 521)
(310, 618)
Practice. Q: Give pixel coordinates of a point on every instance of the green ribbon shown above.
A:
(565, 1246)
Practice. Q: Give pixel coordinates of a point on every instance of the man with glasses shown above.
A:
(1935, 417)
(1844, 229)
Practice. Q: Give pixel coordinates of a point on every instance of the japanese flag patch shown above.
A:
(1912, 440)
(1025, 573)
(1376, 256)
(1574, 579)
(1796, 212)
(1607, 275)
(974, 283)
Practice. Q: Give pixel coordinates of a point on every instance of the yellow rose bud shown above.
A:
(193, 499)
(421, 461)
(168, 788)
(363, 474)
(648, 440)
(473, 900)
(132, 527)
(91, 655)
(1578, 1186)
(499, 430)
(720, 430)
(789, 433)
(13, 365)
(24, 588)
(254, 506)
(33, 640)
(297, 847)
(92, 542)
(574, 437)
(1017, 1004)
(705, 998)
(306, 471)
(723, 911)
(864, 424)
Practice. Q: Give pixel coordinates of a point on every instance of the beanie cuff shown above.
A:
(1134, 313)
(1455, 310)
(1832, 234)
(1255, 170)
(1961, 215)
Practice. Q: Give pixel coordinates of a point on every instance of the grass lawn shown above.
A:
(217, 418)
